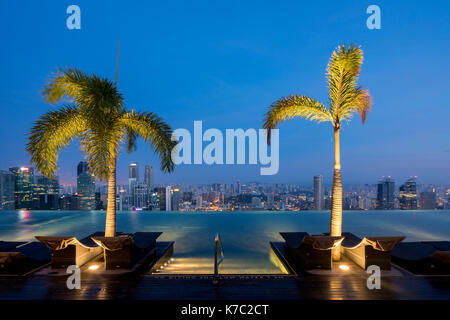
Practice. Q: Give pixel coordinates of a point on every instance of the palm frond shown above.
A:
(342, 77)
(89, 91)
(100, 145)
(294, 106)
(50, 134)
(154, 131)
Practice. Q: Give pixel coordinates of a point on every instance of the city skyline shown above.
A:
(22, 188)
(233, 72)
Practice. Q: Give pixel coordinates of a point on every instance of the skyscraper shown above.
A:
(408, 195)
(133, 171)
(6, 190)
(85, 187)
(46, 193)
(428, 200)
(385, 194)
(238, 187)
(148, 177)
(133, 179)
(318, 193)
(168, 198)
(23, 187)
(82, 167)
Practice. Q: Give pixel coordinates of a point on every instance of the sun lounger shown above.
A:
(126, 250)
(23, 259)
(68, 251)
(369, 250)
(310, 252)
(427, 258)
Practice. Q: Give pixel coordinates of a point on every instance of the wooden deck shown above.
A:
(334, 284)
(327, 287)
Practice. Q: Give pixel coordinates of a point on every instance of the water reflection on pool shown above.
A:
(245, 235)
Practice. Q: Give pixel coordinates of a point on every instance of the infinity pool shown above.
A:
(245, 235)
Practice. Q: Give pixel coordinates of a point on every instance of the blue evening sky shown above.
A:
(225, 62)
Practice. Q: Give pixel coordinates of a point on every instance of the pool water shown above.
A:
(245, 235)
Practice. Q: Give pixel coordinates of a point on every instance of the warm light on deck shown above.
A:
(94, 267)
(344, 267)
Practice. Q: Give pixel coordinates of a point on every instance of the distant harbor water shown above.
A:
(245, 235)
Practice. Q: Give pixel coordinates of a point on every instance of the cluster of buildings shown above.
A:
(21, 188)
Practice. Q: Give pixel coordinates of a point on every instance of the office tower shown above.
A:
(176, 198)
(46, 193)
(133, 179)
(85, 187)
(408, 195)
(82, 167)
(238, 187)
(318, 193)
(187, 196)
(160, 198)
(168, 198)
(148, 177)
(385, 194)
(198, 202)
(133, 171)
(427, 200)
(6, 190)
(270, 201)
(23, 187)
(139, 195)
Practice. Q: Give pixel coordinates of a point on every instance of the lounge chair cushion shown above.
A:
(383, 243)
(10, 257)
(323, 242)
(58, 243)
(114, 243)
(443, 256)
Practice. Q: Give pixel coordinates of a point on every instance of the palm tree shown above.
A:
(345, 98)
(98, 119)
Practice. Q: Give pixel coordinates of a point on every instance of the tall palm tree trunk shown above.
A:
(110, 227)
(336, 210)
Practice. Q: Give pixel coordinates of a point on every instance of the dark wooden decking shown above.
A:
(398, 285)
(326, 287)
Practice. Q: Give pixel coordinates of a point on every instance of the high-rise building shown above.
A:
(46, 193)
(408, 195)
(176, 198)
(270, 200)
(82, 167)
(198, 202)
(385, 194)
(133, 171)
(319, 201)
(168, 198)
(238, 187)
(6, 190)
(85, 187)
(428, 200)
(139, 195)
(160, 198)
(133, 179)
(148, 177)
(23, 187)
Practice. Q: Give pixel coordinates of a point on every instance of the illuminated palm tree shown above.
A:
(98, 119)
(345, 98)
